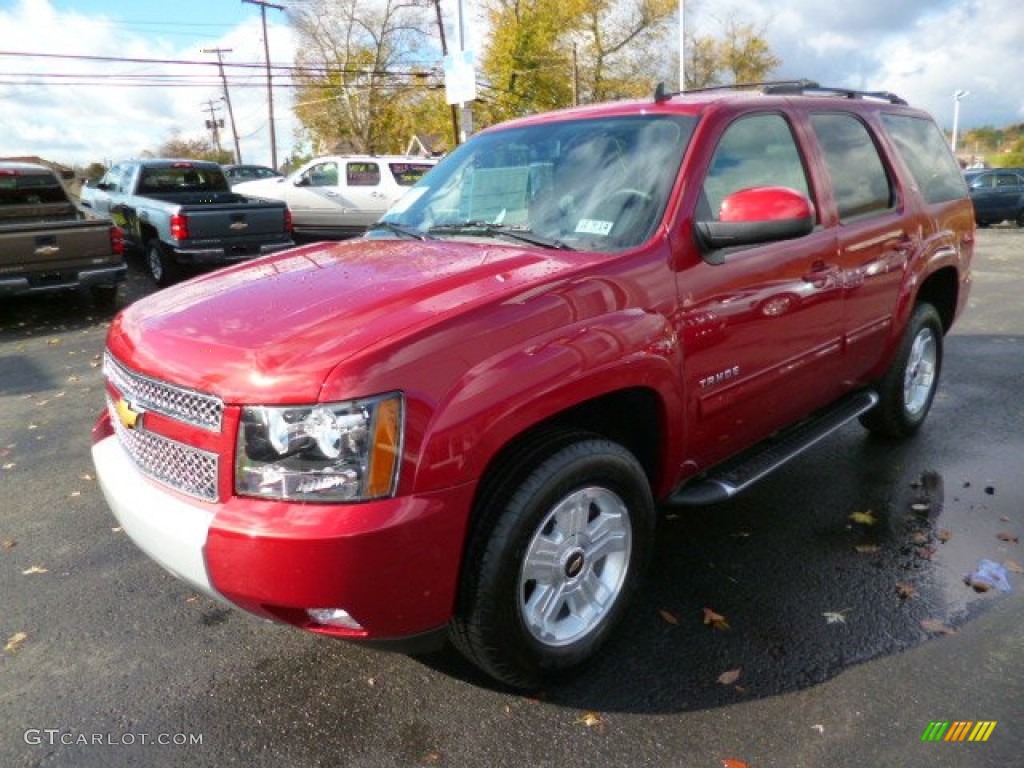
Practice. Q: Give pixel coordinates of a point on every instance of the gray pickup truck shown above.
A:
(180, 212)
(48, 244)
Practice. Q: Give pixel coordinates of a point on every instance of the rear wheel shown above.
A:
(908, 388)
(162, 268)
(564, 533)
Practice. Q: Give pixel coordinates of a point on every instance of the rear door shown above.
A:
(762, 325)
(875, 236)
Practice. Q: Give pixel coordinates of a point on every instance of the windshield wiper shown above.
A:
(398, 229)
(520, 233)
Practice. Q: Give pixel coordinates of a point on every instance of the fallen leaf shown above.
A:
(591, 720)
(74, 494)
(14, 642)
(1009, 538)
(937, 627)
(944, 535)
(919, 537)
(670, 618)
(835, 617)
(867, 549)
(432, 758)
(905, 590)
(10, 465)
(53, 342)
(10, 543)
(730, 677)
(34, 569)
(716, 620)
(86, 476)
(818, 727)
(921, 507)
(864, 518)
(728, 762)
(1010, 565)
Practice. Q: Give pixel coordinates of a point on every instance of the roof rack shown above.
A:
(783, 88)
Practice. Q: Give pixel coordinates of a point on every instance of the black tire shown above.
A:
(563, 533)
(161, 267)
(104, 296)
(907, 389)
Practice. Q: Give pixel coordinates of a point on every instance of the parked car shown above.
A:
(339, 197)
(997, 194)
(461, 423)
(179, 212)
(238, 173)
(48, 244)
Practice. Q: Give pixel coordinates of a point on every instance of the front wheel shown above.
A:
(907, 389)
(563, 537)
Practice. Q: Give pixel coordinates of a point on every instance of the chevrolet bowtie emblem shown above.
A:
(127, 415)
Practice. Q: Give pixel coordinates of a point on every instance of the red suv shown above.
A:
(460, 425)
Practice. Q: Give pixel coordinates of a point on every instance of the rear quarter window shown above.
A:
(923, 148)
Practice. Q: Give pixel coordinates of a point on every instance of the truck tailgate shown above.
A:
(236, 220)
(54, 246)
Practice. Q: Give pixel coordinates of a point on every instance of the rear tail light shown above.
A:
(288, 221)
(116, 241)
(179, 226)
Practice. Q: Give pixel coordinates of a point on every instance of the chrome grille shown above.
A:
(182, 467)
(187, 405)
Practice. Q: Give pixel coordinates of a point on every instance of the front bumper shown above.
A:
(392, 565)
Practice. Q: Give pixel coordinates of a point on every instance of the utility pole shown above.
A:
(214, 124)
(270, 86)
(227, 96)
(444, 52)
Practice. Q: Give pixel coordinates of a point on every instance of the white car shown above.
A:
(341, 196)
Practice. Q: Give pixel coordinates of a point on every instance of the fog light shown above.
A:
(333, 617)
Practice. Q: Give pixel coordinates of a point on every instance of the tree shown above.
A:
(740, 55)
(359, 86)
(620, 39)
(196, 149)
(526, 68)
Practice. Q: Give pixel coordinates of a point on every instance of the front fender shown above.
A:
(516, 389)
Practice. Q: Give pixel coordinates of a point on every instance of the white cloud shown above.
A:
(41, 114)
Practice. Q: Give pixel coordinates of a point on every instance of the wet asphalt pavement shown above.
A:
(844, 629)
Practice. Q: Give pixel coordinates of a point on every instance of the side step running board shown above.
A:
(726, 481)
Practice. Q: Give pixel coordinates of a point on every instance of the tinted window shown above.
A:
(181, 177)
(859, 180)
(923, 148)
(362, 174)
(755, 151)
(321, 175)
(407, 174)
(31, 188)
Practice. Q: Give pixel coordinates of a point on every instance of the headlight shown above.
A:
(326, 452)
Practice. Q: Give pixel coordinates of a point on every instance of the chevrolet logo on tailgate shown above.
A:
(127, 415)
(239, 224)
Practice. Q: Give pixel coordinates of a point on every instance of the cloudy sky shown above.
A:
(61, 97)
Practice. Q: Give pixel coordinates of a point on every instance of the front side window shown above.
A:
(599, 184)
(755, 151)
(320, 175)
(924, 149)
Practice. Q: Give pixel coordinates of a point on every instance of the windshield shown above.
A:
(595, 184)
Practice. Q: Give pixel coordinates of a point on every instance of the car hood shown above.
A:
(274, 328)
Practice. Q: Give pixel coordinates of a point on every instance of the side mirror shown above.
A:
(754, 216)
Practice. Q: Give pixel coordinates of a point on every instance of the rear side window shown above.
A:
(362, 174)
(757, 151)
(923, 148)
(859, 180)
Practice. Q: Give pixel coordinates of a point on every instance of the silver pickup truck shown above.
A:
(180, 212)
(48, 244)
